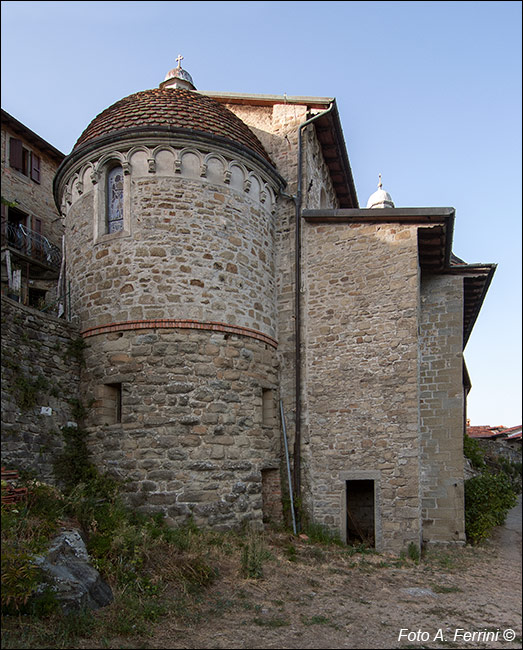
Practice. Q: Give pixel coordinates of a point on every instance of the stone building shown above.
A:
(221, 273)
(31, 228)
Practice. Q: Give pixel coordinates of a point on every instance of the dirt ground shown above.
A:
(325, 598)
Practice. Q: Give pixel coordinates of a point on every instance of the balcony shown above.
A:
(31, 247)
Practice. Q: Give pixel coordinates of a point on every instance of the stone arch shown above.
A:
(267, 197)
(190, 162)
(253, 186)
(107, 159)
(139, 156)
(215, 165)
(164, 156)
(238, 175)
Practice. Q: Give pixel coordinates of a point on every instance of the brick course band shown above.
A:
(169, 323)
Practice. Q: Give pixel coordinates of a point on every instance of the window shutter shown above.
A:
(16, 159)
(35, 167)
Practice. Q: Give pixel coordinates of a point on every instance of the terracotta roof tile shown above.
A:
(176, 108)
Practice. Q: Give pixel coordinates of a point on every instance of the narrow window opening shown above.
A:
(111, 406)
(114, 207)
(23, 160)
(360, 512)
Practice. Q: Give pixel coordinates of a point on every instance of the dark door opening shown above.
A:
(360, 512)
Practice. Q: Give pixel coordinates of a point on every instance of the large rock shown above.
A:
(76, 583)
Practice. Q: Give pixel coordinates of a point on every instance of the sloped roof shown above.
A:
(171, 109)
(486, 431)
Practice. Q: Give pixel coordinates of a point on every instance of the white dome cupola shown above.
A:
(380, 198)
(178, 77)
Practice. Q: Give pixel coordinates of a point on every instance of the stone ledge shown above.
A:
(173, 323)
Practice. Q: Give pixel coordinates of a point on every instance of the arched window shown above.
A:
(114, 208)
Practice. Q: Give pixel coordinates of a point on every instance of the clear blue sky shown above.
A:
(429, 95)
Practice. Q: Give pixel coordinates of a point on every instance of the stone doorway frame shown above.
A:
(362, 475)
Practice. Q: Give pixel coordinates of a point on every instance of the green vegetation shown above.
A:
(488, 498)
(140, 557)
(473, 451)
(254, 553)
(319, 534)
(414, 552)
(75, 350)
(491, 494)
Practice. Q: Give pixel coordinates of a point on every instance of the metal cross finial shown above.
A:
(380, 185)
(179, 59)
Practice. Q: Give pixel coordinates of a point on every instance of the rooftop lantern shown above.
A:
(380, 198)
(178, 77)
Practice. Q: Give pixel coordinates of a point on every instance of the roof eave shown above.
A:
(31, 136)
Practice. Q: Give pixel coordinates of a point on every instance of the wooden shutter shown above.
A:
(35, 167)
(16, 157)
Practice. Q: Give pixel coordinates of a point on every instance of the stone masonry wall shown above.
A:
(277, 128)
(442, 408)
(35, 199)
(192, 438)
(194, 247)
(40, 387)
(361, 318)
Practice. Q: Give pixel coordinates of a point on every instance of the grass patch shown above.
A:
(317, 619)
(442, 589)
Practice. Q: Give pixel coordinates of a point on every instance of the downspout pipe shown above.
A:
(297, 304)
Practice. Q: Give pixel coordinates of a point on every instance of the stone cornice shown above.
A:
(153, 137)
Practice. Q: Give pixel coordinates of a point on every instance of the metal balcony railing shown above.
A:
(31, 243)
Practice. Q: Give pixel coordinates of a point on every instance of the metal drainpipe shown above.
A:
(297, 305)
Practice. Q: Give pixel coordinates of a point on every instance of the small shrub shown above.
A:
(20, 577)
(75, 350)
(488, 498)
(473, 451)
(73, 466)
(26, 530)
(290, 552)
(253, 556)
(413, 552)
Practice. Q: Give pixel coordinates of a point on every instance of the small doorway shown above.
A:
(360, 512)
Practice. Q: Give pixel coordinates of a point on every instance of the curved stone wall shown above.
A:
(178, 311)
(197, 425)
(197, 243)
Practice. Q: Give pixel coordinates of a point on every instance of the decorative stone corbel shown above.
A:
(80, 186)
(152, 165)
(95, 176)
(203, 170)
(177, 166)
(247, 185)
(227, 175)
(126, 166)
